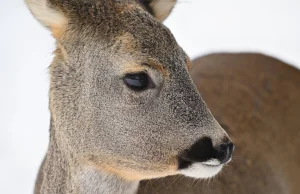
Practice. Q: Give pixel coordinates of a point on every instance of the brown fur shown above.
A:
(256, 98)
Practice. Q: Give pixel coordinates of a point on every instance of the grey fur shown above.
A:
(105, 138)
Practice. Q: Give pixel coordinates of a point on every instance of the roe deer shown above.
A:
(256, 98)
(123, 106)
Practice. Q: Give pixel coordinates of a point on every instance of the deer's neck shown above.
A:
(59, 175)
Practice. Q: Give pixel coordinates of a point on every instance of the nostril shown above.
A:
(231, 147)
(224, 152)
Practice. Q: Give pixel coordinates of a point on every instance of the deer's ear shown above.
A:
(160, 9)
(48, 15)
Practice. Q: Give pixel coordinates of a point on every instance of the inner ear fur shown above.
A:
(160, 9)
(48, 15)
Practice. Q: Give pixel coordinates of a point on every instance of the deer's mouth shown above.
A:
(205, 169)
(201, 170)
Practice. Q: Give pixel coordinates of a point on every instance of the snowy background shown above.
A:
(200, 26)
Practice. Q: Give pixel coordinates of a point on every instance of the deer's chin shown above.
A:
(201, 170)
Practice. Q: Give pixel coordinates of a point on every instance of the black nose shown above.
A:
(203, 150)
(200, 151)
(224, 152)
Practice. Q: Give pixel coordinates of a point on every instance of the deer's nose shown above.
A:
(224, 152)
(204, 151)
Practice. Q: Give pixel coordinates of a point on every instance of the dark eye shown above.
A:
(137, 81)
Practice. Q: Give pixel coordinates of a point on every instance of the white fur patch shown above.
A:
(48, 16)
(201, 170)
(212, 162)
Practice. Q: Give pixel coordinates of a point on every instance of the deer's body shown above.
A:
(256, 98)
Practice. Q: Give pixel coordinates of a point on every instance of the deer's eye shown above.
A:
(137, 81)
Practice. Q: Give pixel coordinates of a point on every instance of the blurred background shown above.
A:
(200, 27)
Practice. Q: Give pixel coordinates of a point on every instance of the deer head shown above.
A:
(121, 98)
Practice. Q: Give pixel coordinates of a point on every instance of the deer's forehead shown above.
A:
(108, 19)
(163, 55)
(155, 46)
(126, 28)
